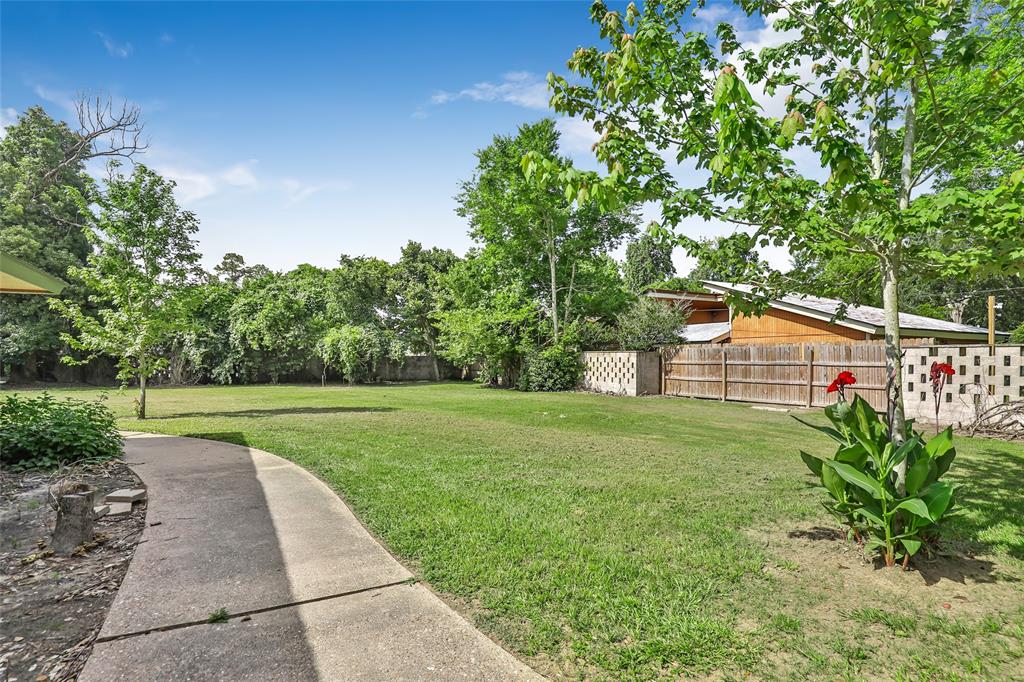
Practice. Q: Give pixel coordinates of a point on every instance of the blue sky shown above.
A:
(300, 131)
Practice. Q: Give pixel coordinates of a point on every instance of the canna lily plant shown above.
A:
(865, 496)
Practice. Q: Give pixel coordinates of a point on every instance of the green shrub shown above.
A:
(357, 350)
(861, 480)
(45, 432)
(1017, 335)
(649, 323)
(556, 368)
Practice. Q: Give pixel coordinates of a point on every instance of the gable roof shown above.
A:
(861, 317)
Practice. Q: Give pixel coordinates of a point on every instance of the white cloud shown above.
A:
(194, 185)
(115, 49)
(62, 99)
(166, 38)
(577, 136)
(8, 117)
(241, 174)
(297, 190)
(521, 88)
(191, 185)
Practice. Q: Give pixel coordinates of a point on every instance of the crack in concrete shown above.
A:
(251, 612)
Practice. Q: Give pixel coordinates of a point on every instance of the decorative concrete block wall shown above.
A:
(622, 372)
(983, 379)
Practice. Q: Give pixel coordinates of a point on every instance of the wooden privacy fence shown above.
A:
(784, 374)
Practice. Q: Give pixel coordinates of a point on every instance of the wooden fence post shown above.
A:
(810, 375)
(725, 375)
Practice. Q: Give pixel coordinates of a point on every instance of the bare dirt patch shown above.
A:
(829, 611)
(952, 580)
(53, 606)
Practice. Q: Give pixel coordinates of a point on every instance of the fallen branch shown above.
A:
(1005, 420)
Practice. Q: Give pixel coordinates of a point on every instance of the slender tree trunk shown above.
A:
(433, 356)
(141, 411)
(568, 295)
(554, 280)
(890, 287)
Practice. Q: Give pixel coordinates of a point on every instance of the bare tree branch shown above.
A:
(104, 130)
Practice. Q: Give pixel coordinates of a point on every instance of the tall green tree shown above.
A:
(138, 273)
(279, 318)
(648, 261)
(41, 162)
(414, 289)
(486, 315)
(898, 101)
(42, 224)
(531, 225)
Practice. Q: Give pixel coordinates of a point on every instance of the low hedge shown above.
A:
(43, 432)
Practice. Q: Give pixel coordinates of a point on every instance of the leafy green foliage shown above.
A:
(861, 479)
(486, 317)
(143, 258)
(530, 226)
(911, 108)
(414, 291)
(1017, 335)
(356, 350)
(555, 368)
(278, 319)
(648, 261)
(649, 323)
(41, 224)
(43, 432)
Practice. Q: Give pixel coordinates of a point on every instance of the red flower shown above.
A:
(940, 368)
(843, 379)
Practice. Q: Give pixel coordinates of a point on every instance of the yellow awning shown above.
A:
(18, 277)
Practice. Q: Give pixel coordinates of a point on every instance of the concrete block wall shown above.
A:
(622, 372)
(983, 378)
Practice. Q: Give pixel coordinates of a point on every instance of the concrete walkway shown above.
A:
(310, 594)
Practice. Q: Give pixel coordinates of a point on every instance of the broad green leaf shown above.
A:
(916, 506)
(912, 545)
(917, 474)
(828, 431)
(833, 482)
(901, 453)
(940, 444)
(854, 477)
(943, 463)
(873, 515)
(813, 463)
(854, 454)
(937, 496)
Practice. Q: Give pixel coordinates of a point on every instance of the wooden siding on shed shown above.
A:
(781, 326)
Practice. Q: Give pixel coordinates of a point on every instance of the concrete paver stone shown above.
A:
(119, 509)
(126, 495)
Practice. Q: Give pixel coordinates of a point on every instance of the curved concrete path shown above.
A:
(310, 594)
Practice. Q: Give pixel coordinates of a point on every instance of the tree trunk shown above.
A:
(554, 281)
(74, 522)
(894, 356)
(141, 408)
(433, 356)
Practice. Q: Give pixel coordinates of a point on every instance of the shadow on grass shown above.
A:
(273, 412)
(992, 498)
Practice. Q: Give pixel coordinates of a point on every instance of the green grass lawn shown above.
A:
(614, 538)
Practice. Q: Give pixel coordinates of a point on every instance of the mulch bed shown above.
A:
(53, 606)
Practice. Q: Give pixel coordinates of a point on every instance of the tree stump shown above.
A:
(74, 522)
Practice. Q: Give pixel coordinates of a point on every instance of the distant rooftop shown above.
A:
(864, 317)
